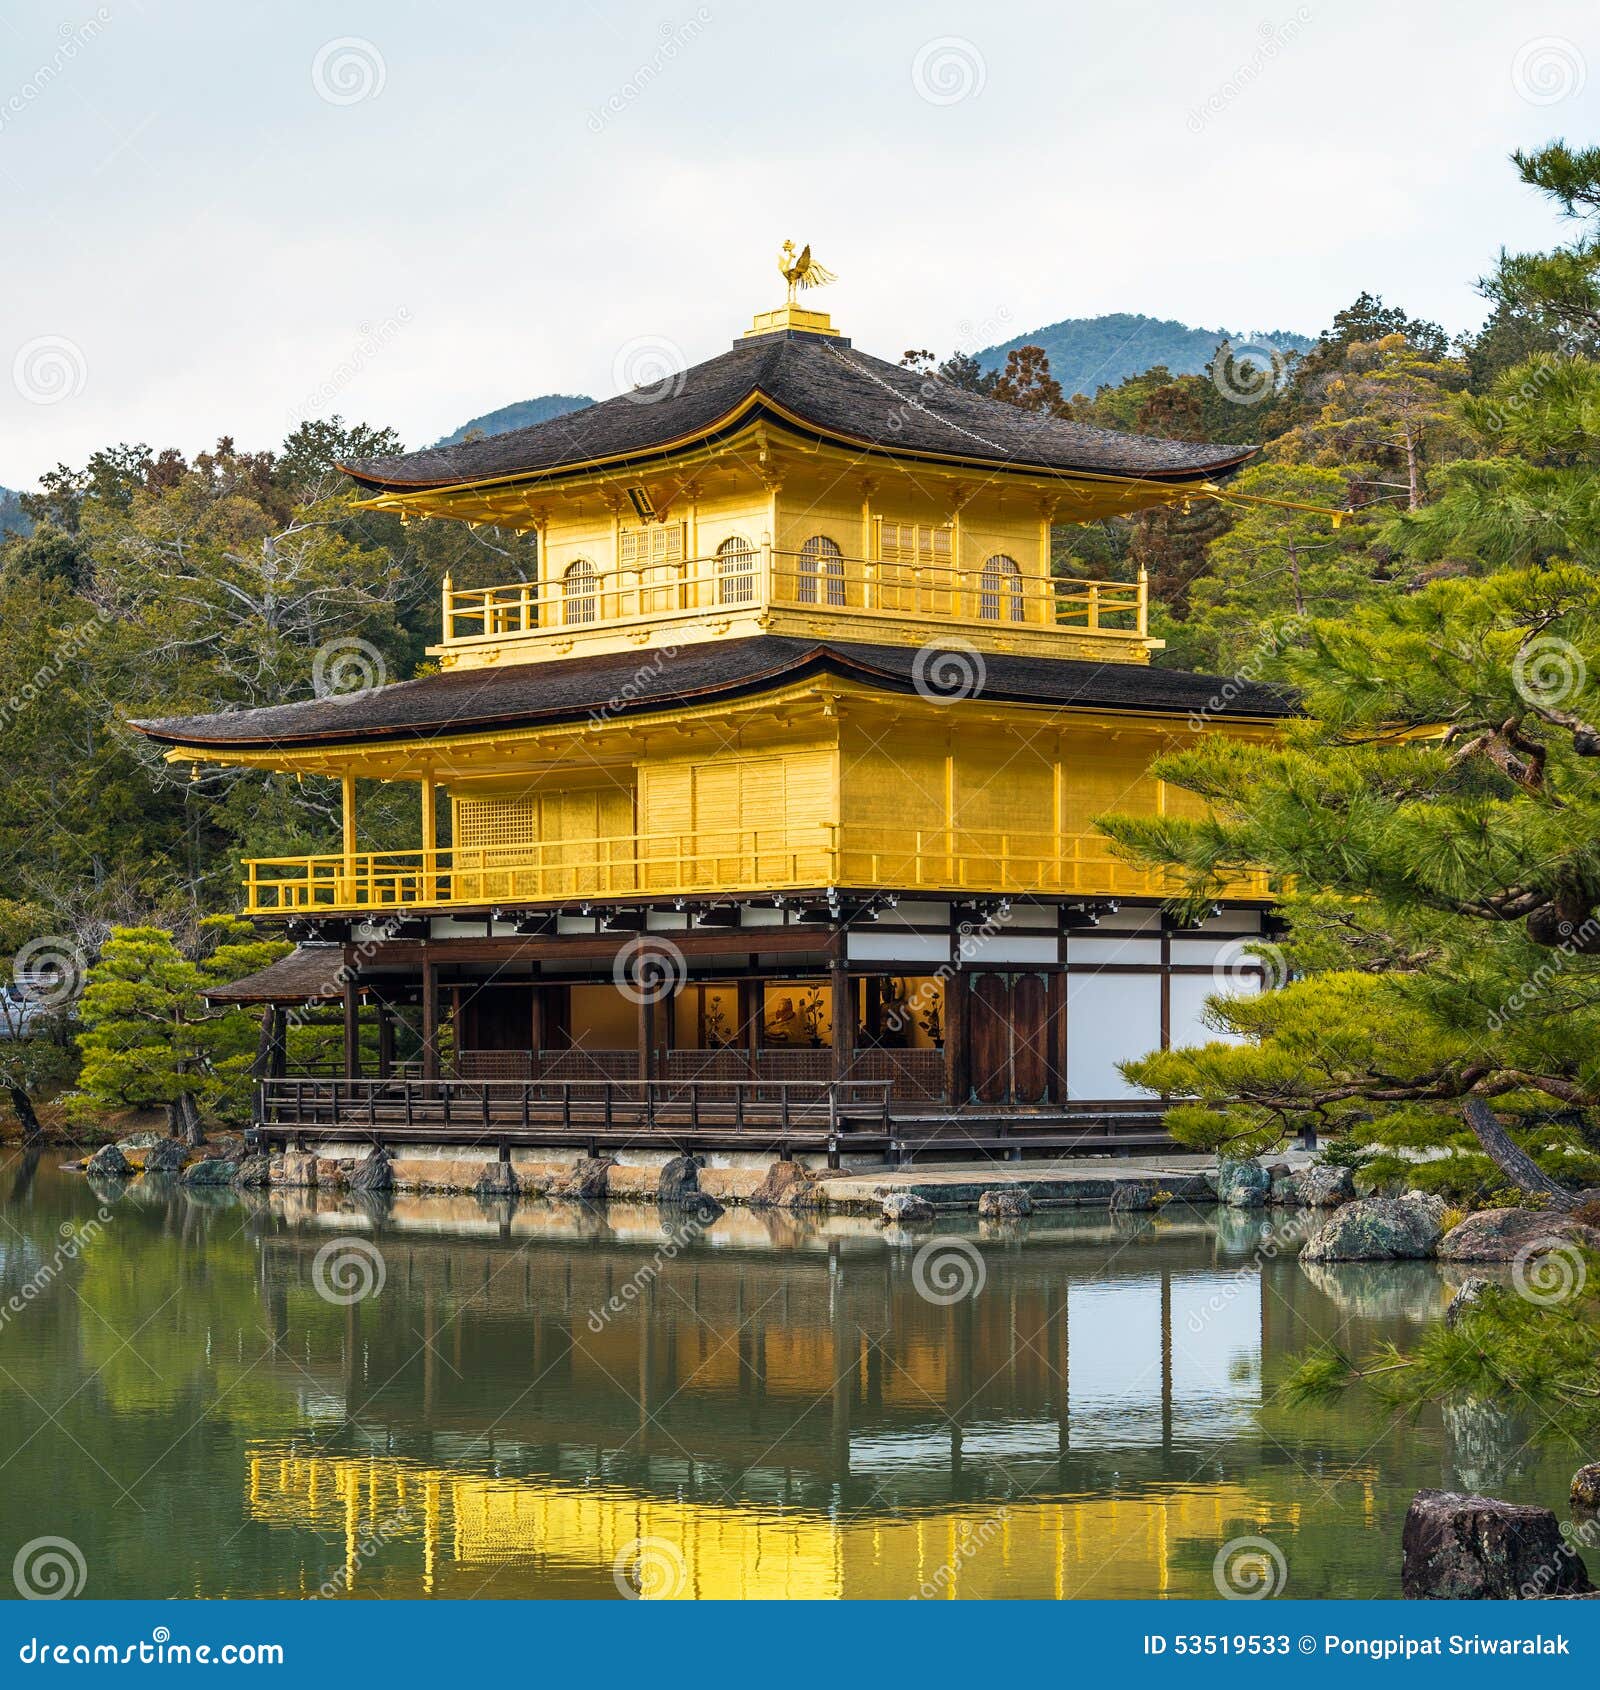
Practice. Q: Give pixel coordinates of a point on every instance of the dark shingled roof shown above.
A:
(842, 394)
(309, 974)
(508, 695)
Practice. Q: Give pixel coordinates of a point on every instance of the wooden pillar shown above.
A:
(1056, 1035)
(957, 1069)
(278, 1063)
(844, 1019)
(646, 1023)
(352, 1026)
(347, 800)
(430, 840)
(430, 1021)
(385, 1040)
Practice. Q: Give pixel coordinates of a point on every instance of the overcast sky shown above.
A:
(220, 217)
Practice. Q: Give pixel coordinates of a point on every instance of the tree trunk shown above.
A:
(22, 1107)
(184, 1120)
(1516, 1164)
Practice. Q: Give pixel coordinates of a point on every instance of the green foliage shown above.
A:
(148, 1038)
(1503, 1347)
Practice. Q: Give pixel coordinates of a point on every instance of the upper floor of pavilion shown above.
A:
(795, 486)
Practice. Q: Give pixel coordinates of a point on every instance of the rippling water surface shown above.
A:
(559, 1401)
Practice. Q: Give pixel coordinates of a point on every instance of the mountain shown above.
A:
(12, 521)
(1090, 352)
(523, 414)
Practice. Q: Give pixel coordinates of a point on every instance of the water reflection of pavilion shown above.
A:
(798, 1420)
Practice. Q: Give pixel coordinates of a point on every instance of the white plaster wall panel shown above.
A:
(1110, 1018)
(1102, 947)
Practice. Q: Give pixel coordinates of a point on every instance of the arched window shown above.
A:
(736, 572)
(578, 598)
(1000, 590)
(821, 572)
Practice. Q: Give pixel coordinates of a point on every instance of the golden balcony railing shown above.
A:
(733, 861)
(995, 594)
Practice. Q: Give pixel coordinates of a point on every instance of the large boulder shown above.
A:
(679, 1179)
(786, 1185)
(693, 1208)
(1503, 1235)
(1323, 1186)
(1586, 1487)
(1243, 1185)
(906, 1208)
(1463, 1547)
(373, 1172)
(141, 1142)
(211, 1170)
(1377, 1229)
(164, 1159)
(1009, 1203)
(108, 1162)
(588, 1180)
(295, 1168)
(253, 1171)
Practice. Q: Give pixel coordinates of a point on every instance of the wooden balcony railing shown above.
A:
(992, 594)
(959, 860)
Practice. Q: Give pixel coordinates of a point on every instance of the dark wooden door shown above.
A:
(1009, 1038)
(498, 1018)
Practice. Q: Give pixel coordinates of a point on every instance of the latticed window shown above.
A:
(580, 600)
(1000, 590)
(913, 542)
(656, 553)
(736, 572)
(821, 572)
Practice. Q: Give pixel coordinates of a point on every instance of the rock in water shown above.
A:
(373, 1172)
(906, 1208)
(498, 1180)
(1586, 1487)
(213, 1170)
(164, 1158)
(141, 1141)
(1477, 1549)
(1324, 1187)
(1009, 1204)
(1502, 1235)
(1377, 1229)
(1243, 1185)
(588, 1181)
(1129, 1197)
(108, 1163)
(679, 1179)
(787, 1185)
(253, 1171)
(699, 1207)
(1468, 1297)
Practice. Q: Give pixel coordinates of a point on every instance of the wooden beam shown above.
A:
(352, 1027)
(430, 1020)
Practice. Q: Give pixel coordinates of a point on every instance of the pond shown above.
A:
(209, 1395)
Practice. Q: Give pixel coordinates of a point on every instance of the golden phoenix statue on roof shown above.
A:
(802, 272)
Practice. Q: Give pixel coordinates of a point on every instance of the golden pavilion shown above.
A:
(764, 818)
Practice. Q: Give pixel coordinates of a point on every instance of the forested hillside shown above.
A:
(523, 414)
(1088, 353)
